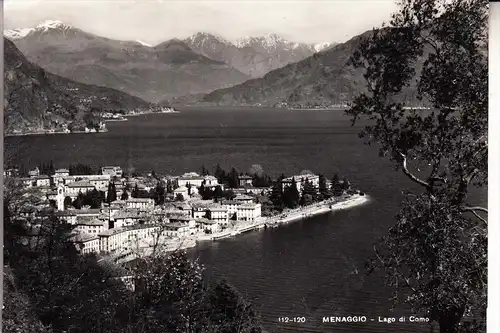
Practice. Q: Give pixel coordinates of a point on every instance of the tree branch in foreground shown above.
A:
(410, 175)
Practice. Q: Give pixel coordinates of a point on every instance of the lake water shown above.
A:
(313, 268)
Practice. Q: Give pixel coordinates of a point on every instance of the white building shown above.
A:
(67, 216)
(27, 182)
(91, 227)
(183, 220)
(300, 180)
(87, 243)
(144, 204)
(231, 206)
(244, 198)
(245, 180)
(112, 171)
(100, 182)
(249, 212)
(218, 214)
(191, 178)
(126, 238)
(177, 230)
(126, 218)
(210, 181)
(83, 186)
(42, 180)
(183, 190)
(204, 224)
(61, 173)
(34, 173)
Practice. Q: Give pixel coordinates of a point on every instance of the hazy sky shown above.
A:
(154, 21)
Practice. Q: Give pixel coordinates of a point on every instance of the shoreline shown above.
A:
(83, 132)
(148, 112)
(297, 214)
(52, 133)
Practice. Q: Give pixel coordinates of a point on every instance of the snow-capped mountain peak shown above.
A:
(144, 43)
(202, 37)
(321, 46)
(14, 34)
(20, 33)
(52, 24)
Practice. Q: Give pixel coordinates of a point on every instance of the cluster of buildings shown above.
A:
(123, 225)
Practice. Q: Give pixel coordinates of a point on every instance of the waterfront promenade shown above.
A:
(287, 216)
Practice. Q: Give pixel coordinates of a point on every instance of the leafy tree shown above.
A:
(291, 196)
(336, 186)
(229, 194)
(218, 193)
(233, 179)
(94, 199)
(229, 312)
(169, 294)
(124, 195)
(78, 202)
(159, 193)
(276, 196)
(170, 188)
(436, 252)
(67, 202)
(256, 170)
(220, 174)
(309, 193)
(204, 171)
(111, 193)
(80, 169)
(324, 192)
(345, 185)
(135, 192)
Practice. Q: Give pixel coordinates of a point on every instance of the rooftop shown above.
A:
(95, 211)
(114, 231)
(81, 183)
(180, 218)
(206, 221)
(175, 225)
(249, 205)
(299, 177)
(181, 189)
(83, 237)
(217, 209)
(243, 197)
(230, 202)
(146, 200)
(94, 222)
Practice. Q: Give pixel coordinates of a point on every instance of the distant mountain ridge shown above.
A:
(164, 71)
(254, 56)
(36, 100)
(321, 80)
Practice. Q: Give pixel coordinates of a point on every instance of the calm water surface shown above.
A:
(312, 268)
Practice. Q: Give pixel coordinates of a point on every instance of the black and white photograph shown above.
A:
(247, 166)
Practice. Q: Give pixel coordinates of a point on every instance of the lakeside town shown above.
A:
(94, 122)
(126, 216)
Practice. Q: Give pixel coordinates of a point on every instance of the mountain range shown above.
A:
(321, 80)
(196, 65)
(254, 56)
(35, 100)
